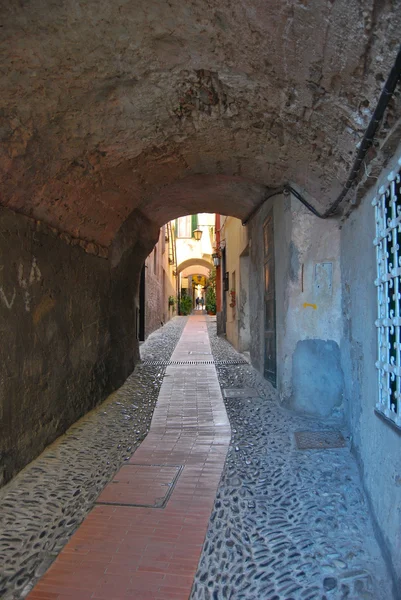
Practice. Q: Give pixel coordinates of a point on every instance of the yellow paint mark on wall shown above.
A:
(44, 306)
(306, 304)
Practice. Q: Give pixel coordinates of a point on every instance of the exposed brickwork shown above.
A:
(154, 296)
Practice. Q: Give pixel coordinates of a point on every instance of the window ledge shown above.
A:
(388, 421)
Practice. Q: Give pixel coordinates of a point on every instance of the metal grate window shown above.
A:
(388, 258)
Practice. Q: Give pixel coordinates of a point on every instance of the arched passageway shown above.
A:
(116, 118)
(193, 266)
(196, 270)
(177, 98)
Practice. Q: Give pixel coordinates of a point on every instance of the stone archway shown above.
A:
(194, 262)
(85, 146)
(194, 267)
(196, 270)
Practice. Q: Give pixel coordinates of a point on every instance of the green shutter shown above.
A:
(194, 224)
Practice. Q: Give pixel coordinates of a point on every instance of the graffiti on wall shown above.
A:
(25, 279)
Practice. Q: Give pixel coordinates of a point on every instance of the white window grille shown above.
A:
(388, 257)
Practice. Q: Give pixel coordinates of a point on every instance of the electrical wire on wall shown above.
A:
(365, 144)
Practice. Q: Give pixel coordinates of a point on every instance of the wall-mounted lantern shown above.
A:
(197, 233)
(216, 259)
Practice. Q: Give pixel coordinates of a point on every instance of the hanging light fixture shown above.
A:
(216, 259)
(197, 234)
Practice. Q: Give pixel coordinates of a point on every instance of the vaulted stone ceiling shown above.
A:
(107, 107)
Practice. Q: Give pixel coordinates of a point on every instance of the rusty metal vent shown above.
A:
(319, 440)
(148, 486)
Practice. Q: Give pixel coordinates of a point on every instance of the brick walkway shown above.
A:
(125, 549)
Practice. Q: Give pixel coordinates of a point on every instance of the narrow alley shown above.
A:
(185, 506)
(200, 300)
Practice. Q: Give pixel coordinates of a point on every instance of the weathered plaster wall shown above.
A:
(66, 329)
(189, 249)
(313, 323)
(244, 332)
(337, 338)
(377, 445)
(160, 283)
(169, 269)
(234, 234)
(308, 305)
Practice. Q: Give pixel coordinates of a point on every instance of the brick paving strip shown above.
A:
(144, 537)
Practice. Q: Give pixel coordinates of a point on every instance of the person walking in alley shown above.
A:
(197, 303)
(202, 301)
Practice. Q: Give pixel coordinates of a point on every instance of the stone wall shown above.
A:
(66, 326)
(155, 311)
(375, 442)
(235, 238)
(159, 285)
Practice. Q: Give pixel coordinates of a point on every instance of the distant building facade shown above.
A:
(178, 265)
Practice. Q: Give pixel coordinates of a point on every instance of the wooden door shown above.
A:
(270, 366)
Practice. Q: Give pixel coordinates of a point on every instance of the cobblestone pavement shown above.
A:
(144, 537)
(42, 506)
(287, 524)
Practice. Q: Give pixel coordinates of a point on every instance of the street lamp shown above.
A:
(197, 234)
(216, 259)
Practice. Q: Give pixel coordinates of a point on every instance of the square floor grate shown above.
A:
(240, 392)
(141, 485)
(309, 440)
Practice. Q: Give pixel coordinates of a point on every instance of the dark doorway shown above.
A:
(270, 367)
(141, 315)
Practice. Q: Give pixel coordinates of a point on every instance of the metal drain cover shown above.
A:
(309, 440)
(141, 485)
(240, 392)
(218, 363)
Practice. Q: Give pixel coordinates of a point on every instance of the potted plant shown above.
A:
(185, 305)
(171, 302)
(211, 300)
